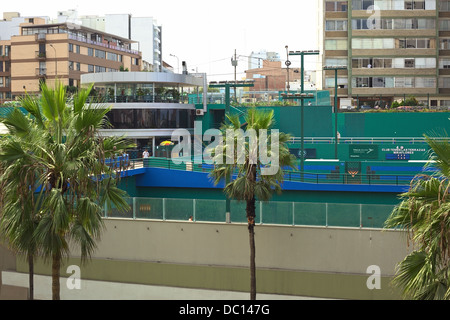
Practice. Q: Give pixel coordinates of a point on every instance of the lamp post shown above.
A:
(56, 62)
(227, 85)
(336, 69)
(178, 62)
(302, 97)
(302, 55)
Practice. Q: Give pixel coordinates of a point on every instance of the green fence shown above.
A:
(276, 213)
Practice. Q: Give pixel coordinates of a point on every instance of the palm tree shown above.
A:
(252, 179)
(68, 155)
(18, 183)
(424, 213)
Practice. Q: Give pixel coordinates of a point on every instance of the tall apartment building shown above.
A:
(392, 49)
(44, 52)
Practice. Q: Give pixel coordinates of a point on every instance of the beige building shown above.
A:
(393, 49)
(64, 51)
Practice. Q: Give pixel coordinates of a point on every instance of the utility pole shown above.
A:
(288, 63)
(234, 63)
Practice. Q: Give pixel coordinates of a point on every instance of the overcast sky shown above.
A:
(206, 33)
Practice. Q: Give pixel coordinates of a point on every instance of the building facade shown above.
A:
(63, 51)
(393, 49)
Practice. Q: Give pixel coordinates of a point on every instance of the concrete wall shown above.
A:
(300, 261)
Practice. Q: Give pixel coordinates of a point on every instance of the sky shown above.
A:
(204, 33)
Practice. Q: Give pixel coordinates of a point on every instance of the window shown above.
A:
(78, 66)
(90, 68)
(336, 44)
(70, 65)
(336, 25)
(77, 49)
(409, 63)
(100, 54)
(70, 47)
(336, 6)
(444, 63)
(90, 52)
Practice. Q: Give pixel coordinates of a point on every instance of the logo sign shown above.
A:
(308, 153)
(363, 151)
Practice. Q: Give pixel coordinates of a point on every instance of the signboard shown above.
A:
(363, 151)
(309, 153)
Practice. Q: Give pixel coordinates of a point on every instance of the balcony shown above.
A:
(41, 55)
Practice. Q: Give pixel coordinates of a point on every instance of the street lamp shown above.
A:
(302, 54)
(56, 62)
(178, 62)
(302, 97)
(336, 69)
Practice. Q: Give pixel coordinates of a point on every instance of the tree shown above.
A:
(424, 213)
(71, 178)
(254, 177)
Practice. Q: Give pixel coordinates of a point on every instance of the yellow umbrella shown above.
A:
(166, 143)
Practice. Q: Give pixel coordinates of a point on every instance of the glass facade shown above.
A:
(151, 118)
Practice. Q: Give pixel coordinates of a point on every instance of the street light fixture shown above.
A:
(56, 62)
(178, 62)
(336, 69)
(302, 97)
(302, 54)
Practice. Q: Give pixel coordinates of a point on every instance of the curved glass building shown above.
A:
(146, 106)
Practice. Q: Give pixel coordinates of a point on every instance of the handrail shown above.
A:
(356, 140)
(290, 176)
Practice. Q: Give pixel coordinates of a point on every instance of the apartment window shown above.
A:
(362, 4)
(1, 82)
(7, 50)
(77, 49)
(7, 82)
(112, 56)
(336, 44)
(336, 25)
(1, 50)
(444, 25)
(409, 63)
(100, 54)
(1, 66)
(414, 44)
(373, 43)
(444, 63)
(444, 5)
(100, 69)
(336, 6)
(336, 62)
(90, 52)
(71, 65)
(78, 66)
(70, 47)
(90, 68)
(342, 82)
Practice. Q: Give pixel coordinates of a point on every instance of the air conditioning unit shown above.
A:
(199, 112)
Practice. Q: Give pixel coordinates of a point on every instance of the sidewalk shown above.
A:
(97, 290)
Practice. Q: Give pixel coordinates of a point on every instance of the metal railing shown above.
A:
(267, 213)
(291, 176)
(362, 140)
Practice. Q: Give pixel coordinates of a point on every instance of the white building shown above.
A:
(255, 60)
